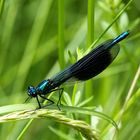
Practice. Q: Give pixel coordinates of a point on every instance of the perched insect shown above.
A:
(87, 67)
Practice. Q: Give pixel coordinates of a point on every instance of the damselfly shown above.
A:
(87, 67)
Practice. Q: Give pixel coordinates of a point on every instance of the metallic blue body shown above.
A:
(41, 87)
(120, 37)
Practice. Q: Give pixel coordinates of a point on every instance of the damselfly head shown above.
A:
(32, 91)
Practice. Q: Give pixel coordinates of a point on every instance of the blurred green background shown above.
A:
(38, 38)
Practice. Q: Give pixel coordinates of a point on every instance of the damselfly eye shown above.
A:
(32, 91)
